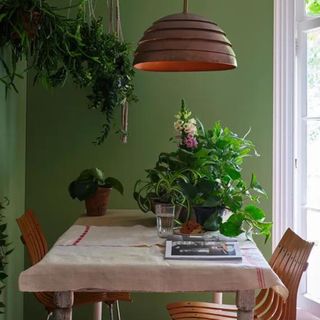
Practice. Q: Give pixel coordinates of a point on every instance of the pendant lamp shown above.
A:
(184, 42)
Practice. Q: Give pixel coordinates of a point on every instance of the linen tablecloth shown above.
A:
(121, 252)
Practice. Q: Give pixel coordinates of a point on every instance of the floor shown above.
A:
(303, 315)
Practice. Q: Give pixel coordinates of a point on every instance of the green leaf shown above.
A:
(314, 6)
(256, 186)
(82, 189)
(233, 226)
(233, 173)
(114, 183)
(254, 212)
(264, 228)
(3, 275)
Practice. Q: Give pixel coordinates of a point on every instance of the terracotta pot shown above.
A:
(97, 204)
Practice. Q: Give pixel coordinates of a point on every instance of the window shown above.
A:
(307, 142)
(297, 132)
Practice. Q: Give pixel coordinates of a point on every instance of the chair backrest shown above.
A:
(289, 261)
(32, 236)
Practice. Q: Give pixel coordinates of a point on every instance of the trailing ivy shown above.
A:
(57, 48)
(33, 30)
(103, 64)
(4, 251)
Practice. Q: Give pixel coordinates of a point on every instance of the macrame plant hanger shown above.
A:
(114, 26)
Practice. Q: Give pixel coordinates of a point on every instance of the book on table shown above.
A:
(202, 249)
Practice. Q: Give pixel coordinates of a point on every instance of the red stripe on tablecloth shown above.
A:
(262, 278)
(82, 235)
(260, 272)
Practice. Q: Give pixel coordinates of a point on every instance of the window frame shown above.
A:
(289, 156)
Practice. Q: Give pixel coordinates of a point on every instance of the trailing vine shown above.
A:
(59, 47)
(103, 64)
(4, 251)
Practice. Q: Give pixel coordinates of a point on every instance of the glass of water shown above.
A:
(165, 219)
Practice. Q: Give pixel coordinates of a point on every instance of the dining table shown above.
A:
(121, 252)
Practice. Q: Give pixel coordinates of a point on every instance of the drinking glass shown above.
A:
(165, 219)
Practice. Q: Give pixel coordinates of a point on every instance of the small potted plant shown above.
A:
(94, 188)
(161, 186)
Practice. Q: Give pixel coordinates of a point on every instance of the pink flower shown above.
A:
(190, 142)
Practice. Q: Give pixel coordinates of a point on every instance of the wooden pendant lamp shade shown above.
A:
(184, 42)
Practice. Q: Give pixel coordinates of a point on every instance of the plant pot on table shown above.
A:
(97, 204)
(209, 217)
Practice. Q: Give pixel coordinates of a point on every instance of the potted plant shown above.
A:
(94, 188)
(216, 185)
(161, 186)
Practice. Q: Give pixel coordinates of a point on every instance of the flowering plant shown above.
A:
(186, 128)
(206, 171)
(215, 157)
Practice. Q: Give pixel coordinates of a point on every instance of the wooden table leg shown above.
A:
(64, 302)
(246, 302)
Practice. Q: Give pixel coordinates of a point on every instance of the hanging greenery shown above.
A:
(4, 251)
(59, 47)
(103, 64)
(32, 30)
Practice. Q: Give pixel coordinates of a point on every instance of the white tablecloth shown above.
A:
(121, 252)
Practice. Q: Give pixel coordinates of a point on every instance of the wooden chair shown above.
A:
(289, 261)
(35, 241)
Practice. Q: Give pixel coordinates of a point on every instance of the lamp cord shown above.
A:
(114, 26)
(185, 6)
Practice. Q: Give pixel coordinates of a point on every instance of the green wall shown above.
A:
(60, 129)
(12, 183)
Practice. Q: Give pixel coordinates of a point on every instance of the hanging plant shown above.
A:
(103, 64)
(33, 30)
(4, 251)
(59, 47)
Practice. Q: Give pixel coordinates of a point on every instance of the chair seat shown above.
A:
(188, 310)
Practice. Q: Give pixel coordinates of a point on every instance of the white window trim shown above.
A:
(283, 116)
(287, 125)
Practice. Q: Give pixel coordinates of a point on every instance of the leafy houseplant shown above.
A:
(94, 188)
(4, 251)
(102, 63)
(215, 183)
(33, 30)
(58, 47)
(161, 186)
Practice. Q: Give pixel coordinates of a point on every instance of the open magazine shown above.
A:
(199, 249)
